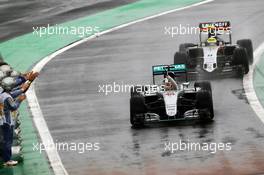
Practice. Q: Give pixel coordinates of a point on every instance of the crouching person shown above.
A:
(9, 101)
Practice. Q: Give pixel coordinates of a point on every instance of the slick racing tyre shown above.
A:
(240, 57)
(180, 58)
(137, 106)
(204, 104)
(247, 44)
(204, 85)
(183, 47)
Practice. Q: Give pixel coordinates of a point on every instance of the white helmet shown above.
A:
(15, 73)
(8, 83)
(6, 69)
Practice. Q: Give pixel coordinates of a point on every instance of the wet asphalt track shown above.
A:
(75, 112)
(17, 17)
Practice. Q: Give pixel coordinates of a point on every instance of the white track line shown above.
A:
(34, 106)
(249, 85)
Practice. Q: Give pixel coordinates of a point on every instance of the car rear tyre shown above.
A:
(240, 57)
(247, 44)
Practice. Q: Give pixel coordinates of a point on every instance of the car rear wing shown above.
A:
(222, 25)
(216, 28)
(176, 69)
(163, 69)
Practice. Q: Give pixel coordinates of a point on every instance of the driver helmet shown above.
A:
(168, 84)
(212, 41)
(212, 36)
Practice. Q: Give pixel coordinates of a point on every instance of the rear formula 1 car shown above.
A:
(215, 52)
(157, 103)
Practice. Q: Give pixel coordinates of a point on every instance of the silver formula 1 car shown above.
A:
(215, 52)
(163, 102)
